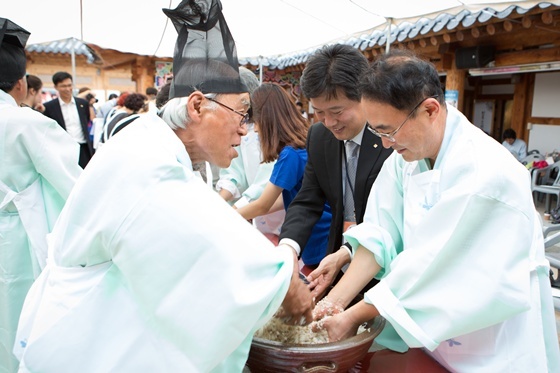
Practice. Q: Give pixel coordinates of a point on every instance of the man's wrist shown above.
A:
(346, 253)
(291, 243)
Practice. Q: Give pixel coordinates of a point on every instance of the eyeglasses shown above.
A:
(390, 136)
(244, 117)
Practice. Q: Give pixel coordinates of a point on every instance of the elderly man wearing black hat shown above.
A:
(38, 168)
(157, 273)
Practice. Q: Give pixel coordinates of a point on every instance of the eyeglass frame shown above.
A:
(390, 136)
(244, 117)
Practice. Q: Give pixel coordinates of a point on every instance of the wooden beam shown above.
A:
(547, 17)
(475, 32)
(519, 109)
(447, 61)
(528, 56)
(455, 80)
(526, 21)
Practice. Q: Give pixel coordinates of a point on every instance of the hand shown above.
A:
(345, 324)
(338, 327)
(327, 307)
(298, 302)
(324, 275)
(40, 107)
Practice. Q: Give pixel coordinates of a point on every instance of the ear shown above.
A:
(22, 84)
(194, 106)
(433, 107)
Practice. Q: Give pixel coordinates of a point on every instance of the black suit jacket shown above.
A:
(53, 110)
(322, 181)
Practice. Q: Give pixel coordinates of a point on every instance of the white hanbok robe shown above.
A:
(38, 168)
(462, 256)
(150, 270)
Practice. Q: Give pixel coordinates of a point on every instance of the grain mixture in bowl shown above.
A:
(277, 330)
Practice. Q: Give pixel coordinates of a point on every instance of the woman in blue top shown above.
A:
(282, 135)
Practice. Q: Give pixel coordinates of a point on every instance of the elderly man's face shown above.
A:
(224, 128)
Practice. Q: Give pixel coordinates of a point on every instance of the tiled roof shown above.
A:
(399, 33)
(65, 46)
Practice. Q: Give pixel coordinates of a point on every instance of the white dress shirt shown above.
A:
(72, 120)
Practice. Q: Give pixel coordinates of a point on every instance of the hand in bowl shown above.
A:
(338, 327)
(298, 302)
(327, 307)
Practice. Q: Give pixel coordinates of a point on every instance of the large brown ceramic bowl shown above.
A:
(271, 356)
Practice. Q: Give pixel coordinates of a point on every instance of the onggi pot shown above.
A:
(271, 356)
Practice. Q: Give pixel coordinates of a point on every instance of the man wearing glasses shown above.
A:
(157, 273)
(475, 299)
(343, 158)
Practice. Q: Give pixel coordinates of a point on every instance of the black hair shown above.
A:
(151, 91)
(34, 82)
(402, 80)
(333, 69)
(163, 95)
(509, 134)
(135, 101)
(8, 86)
(60, 76)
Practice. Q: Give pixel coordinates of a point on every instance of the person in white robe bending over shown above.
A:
(450, 282)
(38, 168)
(150, 270)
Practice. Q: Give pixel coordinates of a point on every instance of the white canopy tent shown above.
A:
(259, 27)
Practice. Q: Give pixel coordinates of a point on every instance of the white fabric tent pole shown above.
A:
(73, 54)
(388, 37)
(260, 70)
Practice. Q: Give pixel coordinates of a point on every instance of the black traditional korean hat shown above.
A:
(12, 51)
(205, 58)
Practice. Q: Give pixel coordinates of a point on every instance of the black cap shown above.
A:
(12, 51)
(205, 58)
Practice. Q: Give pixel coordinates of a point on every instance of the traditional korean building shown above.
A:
(103, 70)
(500, 68)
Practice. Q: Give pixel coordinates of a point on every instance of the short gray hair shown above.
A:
(249, 79)
(175, 112)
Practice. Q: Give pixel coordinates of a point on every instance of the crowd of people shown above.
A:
(122, 249)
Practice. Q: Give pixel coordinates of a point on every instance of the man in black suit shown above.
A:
(330, 81)
(72, 114)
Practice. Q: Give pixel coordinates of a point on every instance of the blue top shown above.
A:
(288, 175)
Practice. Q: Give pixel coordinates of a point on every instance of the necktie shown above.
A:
(351, 149)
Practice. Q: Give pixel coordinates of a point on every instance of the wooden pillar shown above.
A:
(141, 74)
(519, 111)
(455, 80)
